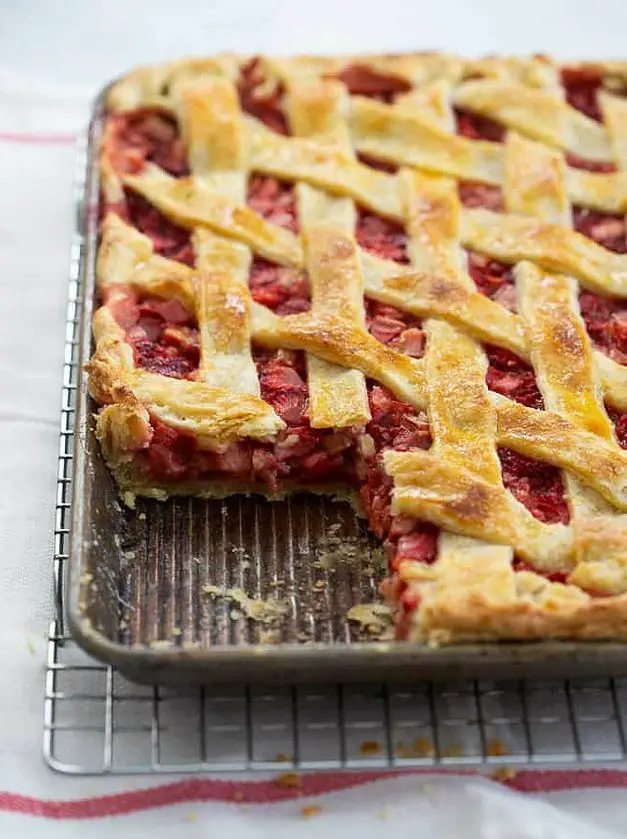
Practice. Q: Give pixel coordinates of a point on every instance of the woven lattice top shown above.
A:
(402, 139)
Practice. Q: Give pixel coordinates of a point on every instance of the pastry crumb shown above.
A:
(370, 747)
(263, 611)
(30, 646)
(311, 810)
(384, 814)
(453, 751)
(191, 817)
(288, 780)
(504, 774)
(281, 757)
(142, 516)
(420, 747)
(374, 619)
(238, 795)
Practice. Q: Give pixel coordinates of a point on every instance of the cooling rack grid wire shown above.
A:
(96, 722)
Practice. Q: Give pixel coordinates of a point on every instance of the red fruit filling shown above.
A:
(604, 228)
(168, 238)
(475, 194)
(381, 237)
(576, 162)
(477, 127)
(274, 200)
(163, 333)
(146, 135)
(510, 376)
(260, 98)
(399, 330)
(363, 81)
(284, 290)
(493, 279)
(606, 322)
(581, 86)
(375, 163)
(536, 485)
(620, 425)
(299, 455)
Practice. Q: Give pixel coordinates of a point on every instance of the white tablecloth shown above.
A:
(50, 64)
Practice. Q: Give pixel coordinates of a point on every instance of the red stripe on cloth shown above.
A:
(37, 139)
(199, 790)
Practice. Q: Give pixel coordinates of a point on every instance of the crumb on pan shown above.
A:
(374, 619)
(263, 611)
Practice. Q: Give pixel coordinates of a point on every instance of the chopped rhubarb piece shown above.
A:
(381, 237)
(606, 322)
(537, 485)
(603, 228)
(477, 127)
(475, 194)
(511, 376)
(274, 200)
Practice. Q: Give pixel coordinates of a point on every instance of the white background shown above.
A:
(65, 45)
(86, 42)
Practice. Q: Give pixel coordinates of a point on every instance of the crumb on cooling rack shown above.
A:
(310, 810)
(504, 774)
(281, 757)
(496, 748)
(129, 499)
(374, 619)
(420, 747)
(262, 611)
(370, 747)
(288, 780)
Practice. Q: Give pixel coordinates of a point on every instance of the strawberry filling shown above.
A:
(146, 135)
(606, 322)
(477, 127)
(163, 333)
(261, 98)
(605, 229)
(581, 86)
(510, 376)
(284, 290)
(476, 194)
(493, 279)
(395, 328)
(169, 240)
(381, 237)
(299, 455)
(364, 81)
(274, 200)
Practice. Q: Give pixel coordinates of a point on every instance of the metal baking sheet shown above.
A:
(242, 589)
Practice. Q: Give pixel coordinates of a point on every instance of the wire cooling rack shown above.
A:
(96, 722)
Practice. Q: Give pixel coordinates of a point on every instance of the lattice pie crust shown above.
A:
(487, 163)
